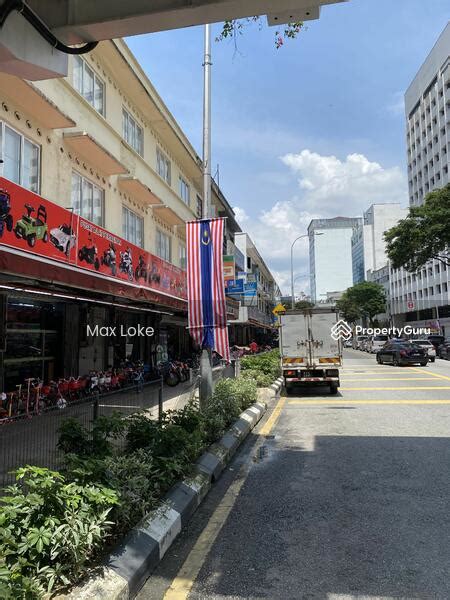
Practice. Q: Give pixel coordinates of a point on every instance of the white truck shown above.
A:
(310, 356)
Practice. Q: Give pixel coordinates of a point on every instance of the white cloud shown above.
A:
(328, 187)
(347, 187)
(396, 106)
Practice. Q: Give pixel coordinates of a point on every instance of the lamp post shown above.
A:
(292, 265)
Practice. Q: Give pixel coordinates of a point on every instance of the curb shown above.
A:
(128, 567)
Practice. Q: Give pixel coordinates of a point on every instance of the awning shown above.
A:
(33, 101)
(85, 145)
(139, 191)
(25, 266)
(168, 215)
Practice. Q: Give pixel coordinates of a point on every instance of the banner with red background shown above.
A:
(56, 233)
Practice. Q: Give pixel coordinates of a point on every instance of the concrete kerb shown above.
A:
(127, 568)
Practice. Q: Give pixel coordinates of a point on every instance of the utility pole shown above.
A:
(207, 124)
(206, 379)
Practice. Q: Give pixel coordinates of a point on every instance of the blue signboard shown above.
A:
(250, 290)
(235, 287)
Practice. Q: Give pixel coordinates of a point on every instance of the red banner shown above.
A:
(32, 224)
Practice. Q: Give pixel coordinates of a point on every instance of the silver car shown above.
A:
(428, 347)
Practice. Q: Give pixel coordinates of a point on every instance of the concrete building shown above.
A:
(368, 246)
(261, 293)
(423, 298)
(103, 165)
(330, 255)
(381, 276)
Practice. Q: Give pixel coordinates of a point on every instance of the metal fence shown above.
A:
(34, 440)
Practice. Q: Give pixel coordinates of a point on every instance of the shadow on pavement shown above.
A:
(357, 517)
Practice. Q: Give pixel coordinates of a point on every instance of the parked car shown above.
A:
(428, 347)
(376, 343)
(400, 352)
(436, 340)
(444, 349)
(348, 343)
(365, 344)
(358, 341)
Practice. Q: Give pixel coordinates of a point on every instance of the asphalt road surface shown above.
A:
(341, 497)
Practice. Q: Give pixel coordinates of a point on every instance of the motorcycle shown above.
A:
(109, 258)
(126, 263)
(6, 219)
(90, 255)
(141, 269)
(169, 373)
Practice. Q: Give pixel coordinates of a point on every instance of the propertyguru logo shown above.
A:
(343, 331)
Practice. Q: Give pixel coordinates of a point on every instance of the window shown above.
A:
(182, 255)
(86, 82)
(163, 166)
(87, 199)
(199, 207)
(132, 133)
(163, 246)
(185, 191)
(132, 227)
(21, 158)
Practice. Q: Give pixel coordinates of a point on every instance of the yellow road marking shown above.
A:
(350, 402)
(267, 427)
(405, 387)
(438, 375)
(183, 582)
(388, 379)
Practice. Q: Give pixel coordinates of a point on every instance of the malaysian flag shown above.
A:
(205, 285)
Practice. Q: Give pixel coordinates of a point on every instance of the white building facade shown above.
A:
(330, 255)
(423, 298)
(368, 245)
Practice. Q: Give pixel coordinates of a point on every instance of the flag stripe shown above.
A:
(206, 289)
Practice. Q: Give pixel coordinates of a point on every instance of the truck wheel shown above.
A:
(45, 237)
(31, 239)
(334, 389)
(9, 223)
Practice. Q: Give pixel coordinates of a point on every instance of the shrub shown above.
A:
(74, 438)
(268, 363)
(49, 529)
(260, 378)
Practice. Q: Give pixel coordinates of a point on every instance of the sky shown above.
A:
(314, 129)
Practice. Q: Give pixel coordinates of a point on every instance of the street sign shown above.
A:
(279, 310)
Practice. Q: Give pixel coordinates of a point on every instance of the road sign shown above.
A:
(410, 305)
(279, 310)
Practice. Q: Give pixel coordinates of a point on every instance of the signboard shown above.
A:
(251, 277)
(37, 226)
(250, 290)
(279, 310)
(228, 268)
(235, 288)
(410, 305)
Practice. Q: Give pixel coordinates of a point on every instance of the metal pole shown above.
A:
(207, 125)
(206, 379)
(292, 275)
(160, 400)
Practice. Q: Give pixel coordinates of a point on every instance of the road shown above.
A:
(332, 498)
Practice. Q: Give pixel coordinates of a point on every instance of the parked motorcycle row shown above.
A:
(35, 396)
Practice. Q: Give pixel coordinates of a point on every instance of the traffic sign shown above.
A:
(410, 305)
(279, 310)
